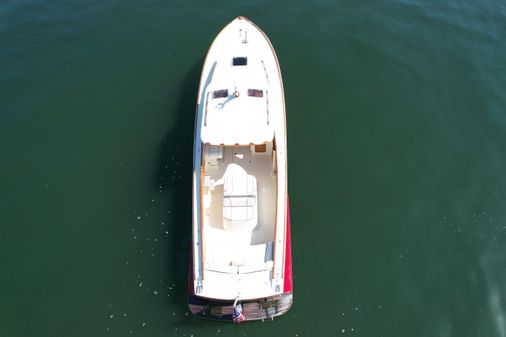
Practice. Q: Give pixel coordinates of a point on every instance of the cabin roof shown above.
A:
(236, 101)
(236, 120)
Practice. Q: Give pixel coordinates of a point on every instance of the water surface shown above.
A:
(397, 149)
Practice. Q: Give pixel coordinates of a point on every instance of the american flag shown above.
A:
(237, 314)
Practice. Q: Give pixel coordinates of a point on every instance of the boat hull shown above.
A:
(240, 253)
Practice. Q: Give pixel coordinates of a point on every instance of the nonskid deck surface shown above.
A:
(224, 247)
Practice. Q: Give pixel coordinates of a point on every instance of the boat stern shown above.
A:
(257, 309)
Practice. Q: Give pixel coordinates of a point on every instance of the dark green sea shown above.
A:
(396, 116)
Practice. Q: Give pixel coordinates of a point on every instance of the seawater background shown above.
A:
(396, 114)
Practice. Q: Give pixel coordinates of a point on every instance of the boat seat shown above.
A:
(239, 258)
(221, 268)
(209, 182)
(213, 154)
(255, 268)
(240, 211)
(248, 269)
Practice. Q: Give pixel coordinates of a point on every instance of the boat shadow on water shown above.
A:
(174, 174)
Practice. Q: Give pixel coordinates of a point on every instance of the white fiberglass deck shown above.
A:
(238, 246)
(259, 165)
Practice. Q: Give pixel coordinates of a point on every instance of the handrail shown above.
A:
(276, 224)
(207, 105)
(267, 102)
(202, 247)
(265, 70)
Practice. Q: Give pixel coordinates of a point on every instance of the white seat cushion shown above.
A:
(240, 210)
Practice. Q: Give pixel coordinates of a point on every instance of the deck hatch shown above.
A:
(240, 61)
(220, 93)
(255, 93)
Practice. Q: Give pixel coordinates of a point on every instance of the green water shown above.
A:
(396, 114)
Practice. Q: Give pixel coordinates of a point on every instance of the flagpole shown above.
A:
(237, 315)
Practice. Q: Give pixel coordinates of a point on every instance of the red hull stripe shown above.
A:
(288, 285)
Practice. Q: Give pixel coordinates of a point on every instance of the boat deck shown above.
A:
(226, 247)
